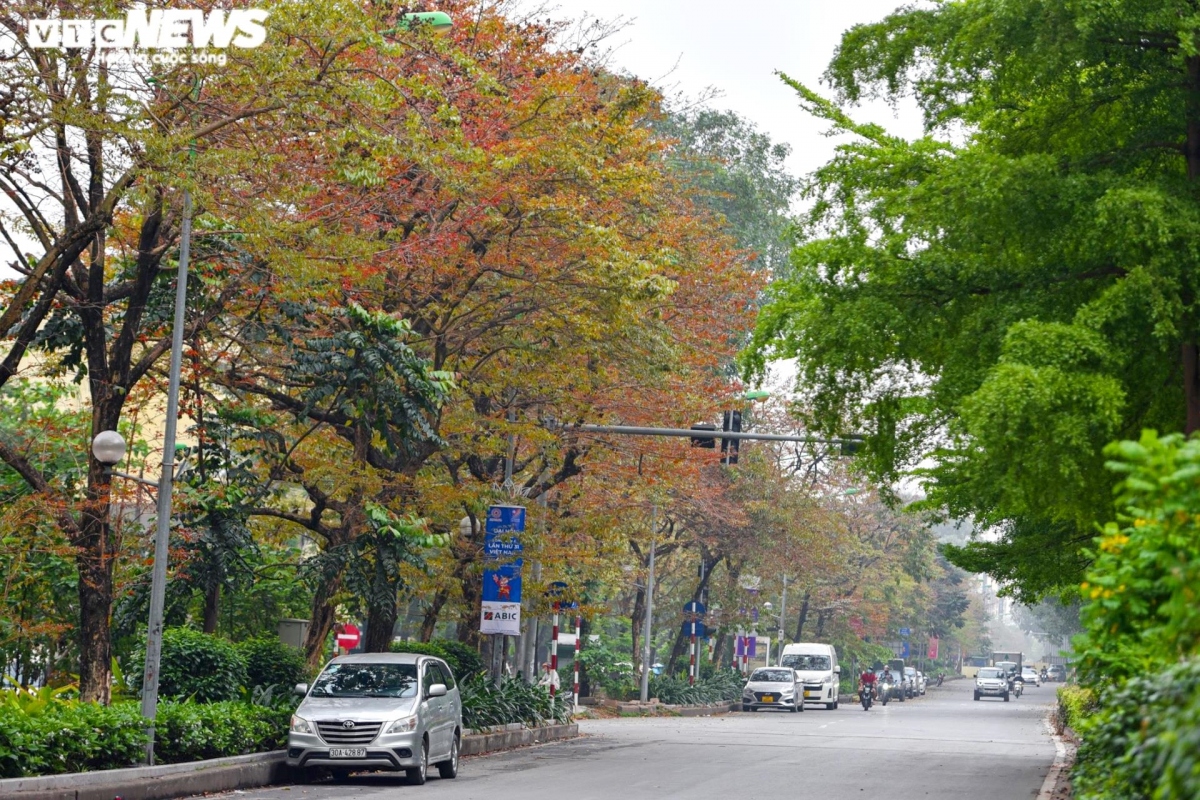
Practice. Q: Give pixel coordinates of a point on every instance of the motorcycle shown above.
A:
(864, 696)
(885, 692)
(1016, 685)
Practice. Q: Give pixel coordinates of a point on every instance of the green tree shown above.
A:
(1006, 294)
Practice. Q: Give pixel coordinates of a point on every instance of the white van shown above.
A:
(817, 668)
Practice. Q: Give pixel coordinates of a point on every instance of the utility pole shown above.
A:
(645, 693)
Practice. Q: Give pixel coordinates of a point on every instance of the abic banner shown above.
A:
(501, 603)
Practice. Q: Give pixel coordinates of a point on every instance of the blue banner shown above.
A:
(502, 547)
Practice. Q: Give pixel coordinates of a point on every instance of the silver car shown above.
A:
(379, 711)
(991, 682)
(772, 687)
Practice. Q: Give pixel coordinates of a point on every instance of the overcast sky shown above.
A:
(690, 45)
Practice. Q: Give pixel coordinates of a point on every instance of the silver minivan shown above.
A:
(379, 711)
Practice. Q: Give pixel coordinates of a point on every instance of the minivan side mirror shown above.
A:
(838, 670)
(437, 690)
(300, 689)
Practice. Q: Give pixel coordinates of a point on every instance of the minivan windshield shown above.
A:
(773, 676)
(806, 662)
(367, 680)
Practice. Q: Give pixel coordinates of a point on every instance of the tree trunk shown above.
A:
(212, 607)
(381, 625)
(322, 619)
(637, 621)
(1191, 387)
(95, 556)
(800, 620)
(822, 615)
(431, 615)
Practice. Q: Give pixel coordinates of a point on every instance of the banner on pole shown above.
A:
(502, 578)
(502, 618)
(933, 647)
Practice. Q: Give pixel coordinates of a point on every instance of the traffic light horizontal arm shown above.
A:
(629, 430)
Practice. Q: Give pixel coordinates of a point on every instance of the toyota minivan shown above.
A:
(379, 711)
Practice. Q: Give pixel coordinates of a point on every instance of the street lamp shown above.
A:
(108, 447)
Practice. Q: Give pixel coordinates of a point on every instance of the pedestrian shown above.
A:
(549, 678)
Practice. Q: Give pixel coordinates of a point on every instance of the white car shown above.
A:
(991, 682)
(773, 687)
(1031, 677)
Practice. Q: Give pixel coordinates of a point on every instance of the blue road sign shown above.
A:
(906, 631)
(694, 608)
(904, 650)
(701, 630)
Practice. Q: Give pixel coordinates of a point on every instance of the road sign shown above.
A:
(348, 636)
(694, 609)
(906, 631)
(904, 650)
(701, 629)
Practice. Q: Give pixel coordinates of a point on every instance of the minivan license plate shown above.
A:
(347, 752)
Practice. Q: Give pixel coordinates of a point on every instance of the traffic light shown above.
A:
(851, 444)
(704, 441)
(729, 447)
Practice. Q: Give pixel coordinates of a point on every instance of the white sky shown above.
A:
(718, 44)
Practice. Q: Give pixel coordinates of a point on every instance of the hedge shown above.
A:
(196, 665)
(270, 662)
(72, 736)
(1143, 739)
(464, 661)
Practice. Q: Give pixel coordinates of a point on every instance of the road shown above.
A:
(943, 745)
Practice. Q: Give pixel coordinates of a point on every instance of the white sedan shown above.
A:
(1031, 677)
(773, 687)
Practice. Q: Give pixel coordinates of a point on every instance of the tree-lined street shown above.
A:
(943, 746)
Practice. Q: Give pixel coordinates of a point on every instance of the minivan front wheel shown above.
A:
(449, 768)
(416, 775)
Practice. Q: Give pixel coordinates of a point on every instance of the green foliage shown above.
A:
(1005, 294)
(1075, 705)
(722, 686)
(608, 670)
(70, 736)
(463, 659)
(1142, 590)
(199, 666)
(270, 662)
(484, 705)
(195, 731)
(1143, 740)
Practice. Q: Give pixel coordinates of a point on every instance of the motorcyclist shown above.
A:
(866, 682)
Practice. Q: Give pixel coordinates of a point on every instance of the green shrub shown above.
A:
(195, 665)
(464, 661)
(196, 731)
(606, 669)
(70, 737)
(485, 706)
(1143, 740)
(270, 662)
(1075, 704)
(722, 686)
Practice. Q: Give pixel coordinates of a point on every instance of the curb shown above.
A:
(154, 783)
(479, 743)
(227, 774)
(1059, 777)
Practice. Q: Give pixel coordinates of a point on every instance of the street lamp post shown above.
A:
(645, 689)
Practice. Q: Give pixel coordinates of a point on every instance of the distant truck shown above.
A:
(1008, 659)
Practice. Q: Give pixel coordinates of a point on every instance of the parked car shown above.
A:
(912, 682)
(991, 682)
(1057, 672)
(1031, 677)
(773, 687)
(379, 711)
(816, 663)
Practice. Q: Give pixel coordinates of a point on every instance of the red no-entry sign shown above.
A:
(348, 636)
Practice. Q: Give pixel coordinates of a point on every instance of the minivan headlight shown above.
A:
(300, 725)
(403, 725)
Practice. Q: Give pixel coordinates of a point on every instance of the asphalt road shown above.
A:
(943, 745)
